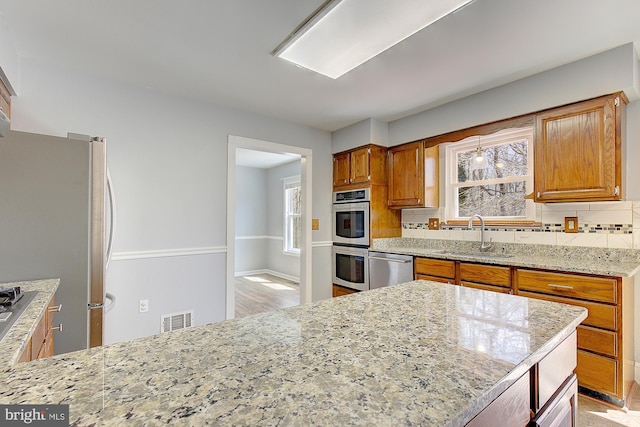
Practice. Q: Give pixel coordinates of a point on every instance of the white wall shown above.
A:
(251, 219)
(167, 157)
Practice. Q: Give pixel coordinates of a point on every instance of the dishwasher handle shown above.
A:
(397, 261)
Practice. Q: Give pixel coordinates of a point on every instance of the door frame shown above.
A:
(235, 142)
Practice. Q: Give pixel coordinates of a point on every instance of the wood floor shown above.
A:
(593, 413)
(264, 292)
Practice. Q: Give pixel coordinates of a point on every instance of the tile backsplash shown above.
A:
(600, 224)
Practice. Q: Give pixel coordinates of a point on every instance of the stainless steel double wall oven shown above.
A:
(350, 263)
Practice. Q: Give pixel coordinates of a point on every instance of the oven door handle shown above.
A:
(397, 261)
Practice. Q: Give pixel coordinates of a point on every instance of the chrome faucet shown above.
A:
(484, 246)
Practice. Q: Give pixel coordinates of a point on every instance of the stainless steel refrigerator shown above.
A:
(53, 195)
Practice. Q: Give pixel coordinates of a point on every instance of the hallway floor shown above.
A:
(264, 292)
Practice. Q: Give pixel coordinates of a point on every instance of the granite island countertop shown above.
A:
(14, 343)
(419, 353)
(597, 261)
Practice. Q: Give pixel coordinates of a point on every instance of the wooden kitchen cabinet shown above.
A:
(339, 291)
(359, 168)
(437, 270)
(5, 99)
(578, 151)
(413, 176)
(487, 277)
(41, 343)
(605, 338)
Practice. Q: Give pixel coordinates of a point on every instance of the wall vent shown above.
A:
(175, 321)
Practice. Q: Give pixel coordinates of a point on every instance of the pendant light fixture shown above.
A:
(479, 156)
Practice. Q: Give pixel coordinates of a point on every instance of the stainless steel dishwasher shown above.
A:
(389, 269)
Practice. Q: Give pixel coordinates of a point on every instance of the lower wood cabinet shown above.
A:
(605, 338)
(41, 343)
(437, 270)
(605, 342)
(338, 291)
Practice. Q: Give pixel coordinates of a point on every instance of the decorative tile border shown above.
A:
(545, 228)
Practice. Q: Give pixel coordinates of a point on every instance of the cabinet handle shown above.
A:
(55, 309)
(538, 194)
(616, 190)
(57, 328)
(553, 285)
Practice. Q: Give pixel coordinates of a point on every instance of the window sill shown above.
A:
(493, 222)
(291, 253)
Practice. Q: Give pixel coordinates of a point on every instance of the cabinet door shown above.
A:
(5, 99)
(577, 151)
(562, 411)
(341, 169)
(406, 175)
(360, 173)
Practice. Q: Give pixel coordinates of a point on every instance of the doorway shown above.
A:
(238, 149)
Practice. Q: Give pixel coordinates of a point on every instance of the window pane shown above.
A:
(493, 200)
(497, 162)
(295, 233)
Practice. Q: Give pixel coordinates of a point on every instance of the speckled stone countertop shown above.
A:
(14, 343)
(600, 261)
(419, 353)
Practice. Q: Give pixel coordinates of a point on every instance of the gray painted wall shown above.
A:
(251, 219)
(168, 160)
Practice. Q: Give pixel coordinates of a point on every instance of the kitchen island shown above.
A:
(420, 353)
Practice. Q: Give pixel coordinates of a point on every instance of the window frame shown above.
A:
(289, 183)
(470, 143)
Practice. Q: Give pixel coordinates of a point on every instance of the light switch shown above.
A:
(315, 224)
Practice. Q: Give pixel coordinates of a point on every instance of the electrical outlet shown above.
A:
(434, 223)
(143, 306)
(570, 224)
(315, 224)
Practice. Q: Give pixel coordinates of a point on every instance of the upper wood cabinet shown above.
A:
(359, 168)
(413, 176)
(577, 151)
(5, 99)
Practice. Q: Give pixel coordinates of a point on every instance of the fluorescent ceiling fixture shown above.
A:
(342, 34)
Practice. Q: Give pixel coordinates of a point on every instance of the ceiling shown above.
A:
(219, 51)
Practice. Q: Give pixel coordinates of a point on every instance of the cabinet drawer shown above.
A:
(435, 267)
(603, 289)
(489, 274)
(598, 373)
(434, 278)
(600, 315)
(598, 341)
(486, 287)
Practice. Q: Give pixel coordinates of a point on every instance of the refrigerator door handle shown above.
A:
(112, 216)
(91, 306)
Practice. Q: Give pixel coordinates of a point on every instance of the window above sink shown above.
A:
(490, 175)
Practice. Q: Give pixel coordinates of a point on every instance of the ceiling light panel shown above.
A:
(346, 33)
